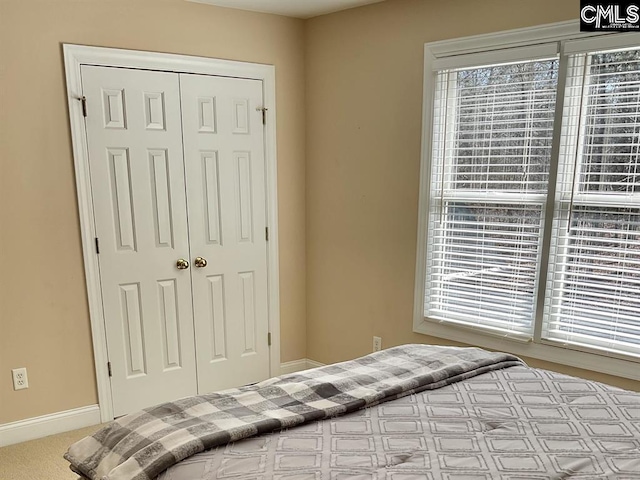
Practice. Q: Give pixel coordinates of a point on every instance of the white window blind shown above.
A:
(491, 151)
(593, 291)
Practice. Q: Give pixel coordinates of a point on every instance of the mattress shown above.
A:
(144, 444)
(516, 423)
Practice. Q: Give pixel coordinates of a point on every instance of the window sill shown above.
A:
(561, 355)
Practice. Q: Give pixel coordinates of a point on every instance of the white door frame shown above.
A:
(77, 55)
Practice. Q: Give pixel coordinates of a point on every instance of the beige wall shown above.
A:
(357, 233)
(44, 323)
(364, 101)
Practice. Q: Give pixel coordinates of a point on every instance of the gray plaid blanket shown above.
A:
(142, 445)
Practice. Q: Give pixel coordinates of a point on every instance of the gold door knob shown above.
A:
(182, 264)
(200, 262)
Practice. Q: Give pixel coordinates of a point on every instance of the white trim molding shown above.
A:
(509, 39)
(314, 364)
(77, 55)
(293, 366)
(45, 425)
(298, 366)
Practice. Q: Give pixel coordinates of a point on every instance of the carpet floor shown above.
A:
(41, 459)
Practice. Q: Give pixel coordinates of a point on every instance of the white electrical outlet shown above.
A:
(377, 344)
(20, 379)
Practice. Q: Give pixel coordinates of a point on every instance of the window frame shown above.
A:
(448, 194)
(569, 39)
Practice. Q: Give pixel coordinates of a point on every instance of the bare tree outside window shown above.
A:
(600, 296)
(491, 159)
(500, 151)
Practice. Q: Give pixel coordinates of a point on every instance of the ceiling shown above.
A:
(291, 8)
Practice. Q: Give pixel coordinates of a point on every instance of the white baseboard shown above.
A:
(38, 427)
(294, 366)
(314, 364)
(298, 365)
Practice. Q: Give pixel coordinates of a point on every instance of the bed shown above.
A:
(487, 416)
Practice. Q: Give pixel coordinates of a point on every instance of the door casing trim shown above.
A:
(77, 55)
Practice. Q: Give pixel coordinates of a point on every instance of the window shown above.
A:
(493, 128)
(593, 298)
(531, 195)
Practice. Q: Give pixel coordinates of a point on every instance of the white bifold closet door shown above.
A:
(224, 158)
(177, 176)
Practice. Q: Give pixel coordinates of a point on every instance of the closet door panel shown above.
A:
(225, 173)
(136, 159)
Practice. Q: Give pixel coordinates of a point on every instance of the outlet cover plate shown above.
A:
(20, 380)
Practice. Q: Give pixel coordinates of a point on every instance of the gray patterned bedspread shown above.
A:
(142, 445)
(516, 424)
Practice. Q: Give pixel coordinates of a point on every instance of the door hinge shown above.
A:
(266, 233)
(264, 114)
(97, 246)
(269, 338)
(84, 106)
(109, 369)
